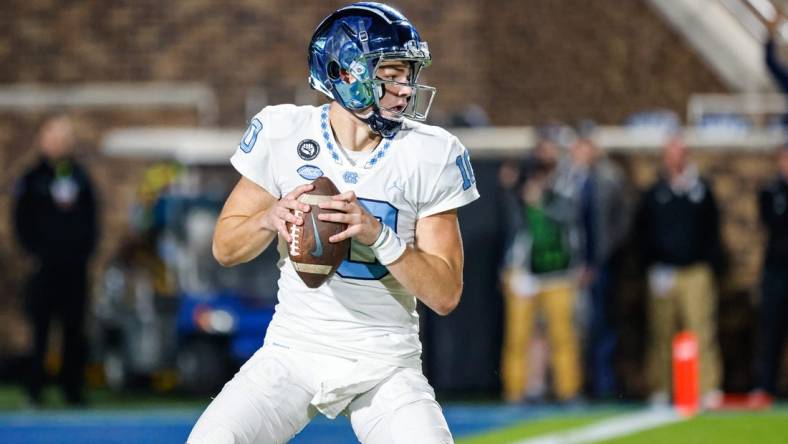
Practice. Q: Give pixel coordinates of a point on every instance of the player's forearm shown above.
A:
(433, 280)
(239, 239)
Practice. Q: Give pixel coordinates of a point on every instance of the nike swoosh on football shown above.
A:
(318, 251)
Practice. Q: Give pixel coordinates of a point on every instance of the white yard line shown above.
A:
(608, 428)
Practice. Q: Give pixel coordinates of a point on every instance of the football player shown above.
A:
(350, 346)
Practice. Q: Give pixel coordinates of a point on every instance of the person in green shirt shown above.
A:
(540, 277)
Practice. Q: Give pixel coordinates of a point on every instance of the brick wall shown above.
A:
(572, 59)
(524, 61)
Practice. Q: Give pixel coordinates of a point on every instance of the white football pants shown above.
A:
(269, 401)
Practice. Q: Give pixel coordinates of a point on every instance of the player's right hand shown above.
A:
(282, 212)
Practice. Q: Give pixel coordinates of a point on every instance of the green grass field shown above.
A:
(719, 428)
(770, 427)
(532, 428)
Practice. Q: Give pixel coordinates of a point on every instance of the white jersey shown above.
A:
(361, 311)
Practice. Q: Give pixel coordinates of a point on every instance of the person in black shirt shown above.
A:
(55, 221)
(776, 68)
(773, 210)
(605, 217)
(678, 226)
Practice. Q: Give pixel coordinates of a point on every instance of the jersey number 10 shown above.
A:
(357, 268)
(464, 164)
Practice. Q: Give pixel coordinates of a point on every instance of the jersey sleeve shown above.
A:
(454, 184)
(253, 158)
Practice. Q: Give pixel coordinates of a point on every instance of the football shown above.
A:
(314, 258)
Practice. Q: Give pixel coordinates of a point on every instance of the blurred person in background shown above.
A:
(538, 276)
(679, 230)
(773, 209)
(56, 222)
(605, 217)
(509, 180)
(776, 68)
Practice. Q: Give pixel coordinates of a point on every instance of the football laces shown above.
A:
(295, 236)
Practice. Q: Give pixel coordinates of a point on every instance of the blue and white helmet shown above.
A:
(356, 39)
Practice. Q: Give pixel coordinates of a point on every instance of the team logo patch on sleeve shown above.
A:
(309, 172)
(308, 149)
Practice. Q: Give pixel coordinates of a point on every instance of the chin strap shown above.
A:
(385, 127)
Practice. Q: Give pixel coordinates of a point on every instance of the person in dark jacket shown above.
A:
(678, 225)
(605, 216)
(55, 222)
(776, 68)
(773, 210)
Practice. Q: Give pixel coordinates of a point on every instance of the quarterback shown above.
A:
(350, 346)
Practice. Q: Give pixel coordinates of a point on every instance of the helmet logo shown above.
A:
(417, 50)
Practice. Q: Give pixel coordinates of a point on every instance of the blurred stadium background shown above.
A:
(160, 93)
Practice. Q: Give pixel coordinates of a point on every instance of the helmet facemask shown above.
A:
(420, 98)
(367, 91)
(383, 119)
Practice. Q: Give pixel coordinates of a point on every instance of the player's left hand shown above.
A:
(361, 225)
